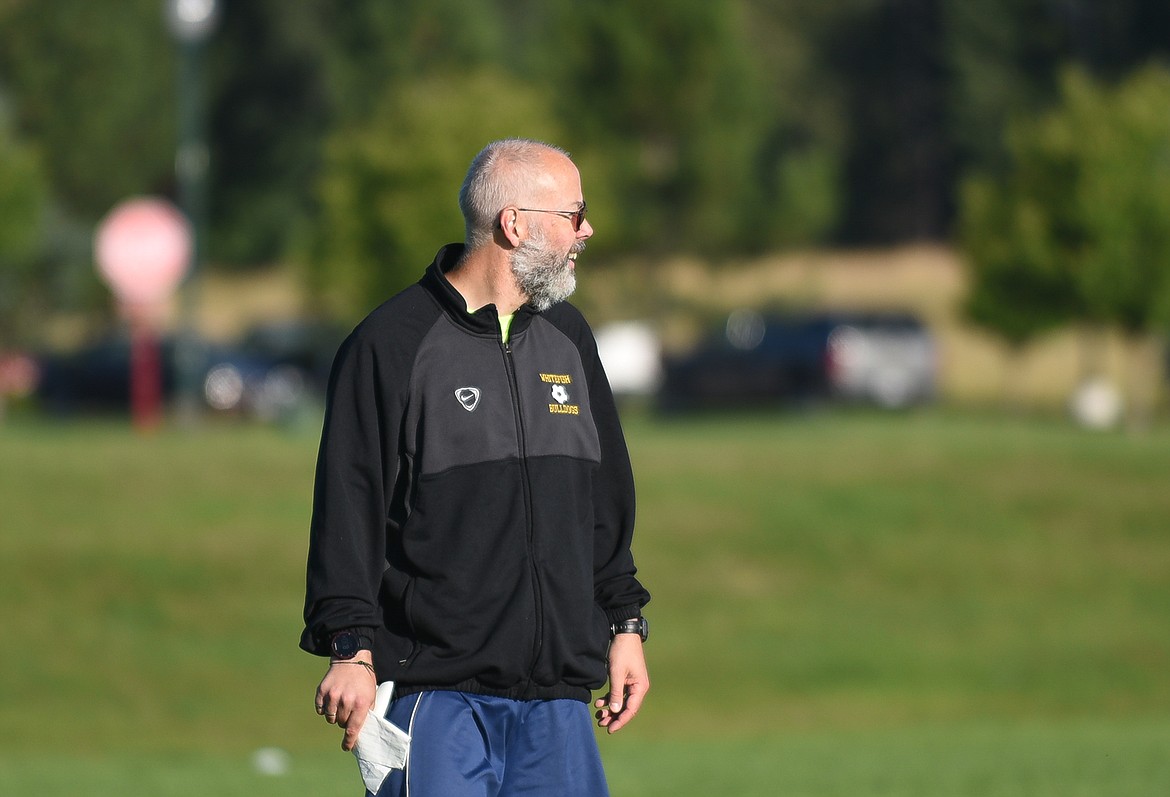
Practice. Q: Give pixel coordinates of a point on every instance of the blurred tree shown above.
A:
(1020, 283)
(269, 115)
(720, 126)
(286, 77)
(1006, 58)
(1077, 229)
(93, 87)
(677, 153)
(1118, 142)
(672, 100)
(389, 193)
(1121, 140)
(91, 92)
(1109, 38)
(900, 165)
(799, 161)
(44, 254)
(931, 84)
(23, 204)
(370, 44)
(1003, 56)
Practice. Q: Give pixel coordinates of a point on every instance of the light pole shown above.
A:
(191, 22)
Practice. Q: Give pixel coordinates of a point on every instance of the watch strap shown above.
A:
(635, 625)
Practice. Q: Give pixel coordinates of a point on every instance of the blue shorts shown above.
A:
(465, 745)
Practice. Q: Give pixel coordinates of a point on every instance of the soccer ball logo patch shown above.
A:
(468, 397)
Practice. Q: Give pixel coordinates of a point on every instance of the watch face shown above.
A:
(345, 645)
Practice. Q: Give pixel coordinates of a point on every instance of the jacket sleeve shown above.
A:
(355, 472)
(615, 584)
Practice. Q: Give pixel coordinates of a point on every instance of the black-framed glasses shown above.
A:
(577, 217)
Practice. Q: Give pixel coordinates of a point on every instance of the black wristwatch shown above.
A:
(345, 644)
(636, 625)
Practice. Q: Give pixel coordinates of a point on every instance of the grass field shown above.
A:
(931, 604)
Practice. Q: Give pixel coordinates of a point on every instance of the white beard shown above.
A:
(546, 277)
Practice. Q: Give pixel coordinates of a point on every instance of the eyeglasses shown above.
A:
(577, 217)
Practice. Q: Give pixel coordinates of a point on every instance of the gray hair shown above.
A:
(502, 173)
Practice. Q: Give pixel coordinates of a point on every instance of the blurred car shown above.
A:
(883, 359)
(96, 378)
(305, 344)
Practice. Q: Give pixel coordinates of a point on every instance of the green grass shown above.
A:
(844, 604)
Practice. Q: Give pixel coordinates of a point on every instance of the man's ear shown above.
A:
(511, 225)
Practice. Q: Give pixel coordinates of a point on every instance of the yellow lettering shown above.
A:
(557, 379)
(564, 409)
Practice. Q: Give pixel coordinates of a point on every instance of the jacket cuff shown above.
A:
(319, 641)
(621, 613)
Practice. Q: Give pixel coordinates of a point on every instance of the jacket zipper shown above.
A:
(538, 603)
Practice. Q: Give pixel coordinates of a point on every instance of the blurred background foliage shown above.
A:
(1033, 131)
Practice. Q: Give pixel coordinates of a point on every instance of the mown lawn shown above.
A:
(844, 604)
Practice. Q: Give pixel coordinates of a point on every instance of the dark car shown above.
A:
(97, 378)
(306, 344)
(886, 359)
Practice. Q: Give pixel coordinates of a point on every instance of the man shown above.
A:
(474, 507)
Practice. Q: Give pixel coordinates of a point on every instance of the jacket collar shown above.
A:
(485, 320)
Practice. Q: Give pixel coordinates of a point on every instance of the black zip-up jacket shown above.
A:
(474, 502)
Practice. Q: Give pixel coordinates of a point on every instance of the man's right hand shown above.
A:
(346, 694)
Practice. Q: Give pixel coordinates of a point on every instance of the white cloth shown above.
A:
(381, 745)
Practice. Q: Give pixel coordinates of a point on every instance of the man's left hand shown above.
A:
(628, 683)
(346, 694)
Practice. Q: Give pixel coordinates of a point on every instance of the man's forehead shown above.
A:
(559, 176)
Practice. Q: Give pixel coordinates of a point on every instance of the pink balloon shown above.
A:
(143, 250)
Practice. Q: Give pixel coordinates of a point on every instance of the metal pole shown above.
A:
(191, 23)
